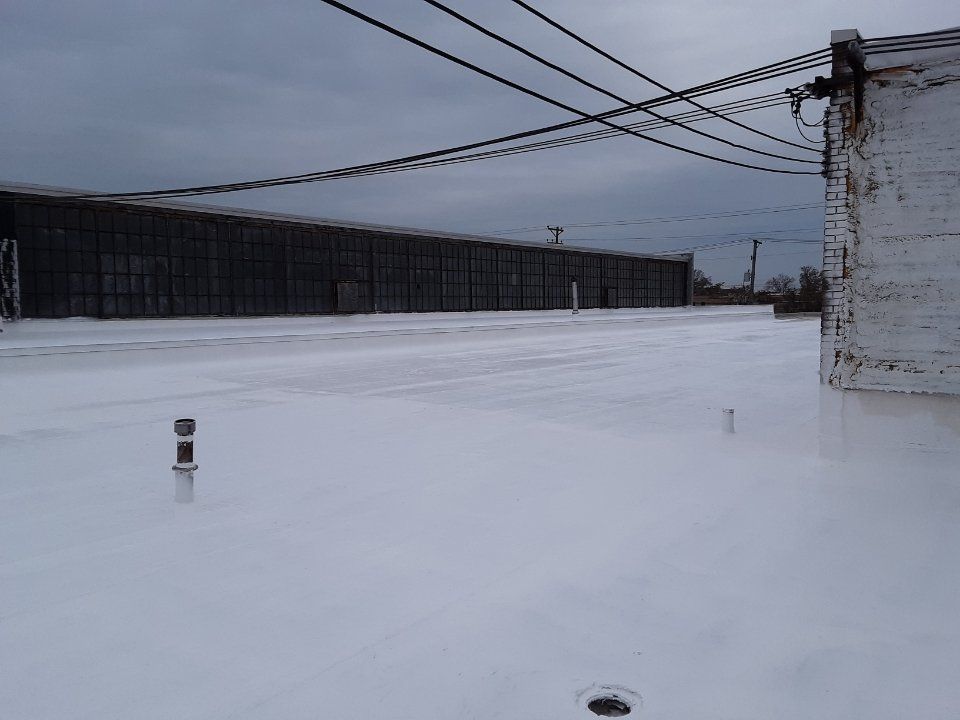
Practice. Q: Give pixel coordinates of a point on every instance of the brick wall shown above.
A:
(892, 227)
(838, 129)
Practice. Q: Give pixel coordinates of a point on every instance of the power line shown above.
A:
(698, 237)
(386, 167)
(766, 255)
(703, 248)
(784, 67)
(680, 218)
(766, 72)
(732, 108)
(586, 83)
(717, 216)
(643, 76)
(870, 51)
(540, 96)
(607, 134)
(550, 144)
(741, 241)
(914, 38)
(554, 143)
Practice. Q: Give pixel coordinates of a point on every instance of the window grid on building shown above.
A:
(129, 261)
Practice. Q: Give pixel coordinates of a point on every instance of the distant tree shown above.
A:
(703, 284)
(701, 281)
(812, 284)
(781, 284)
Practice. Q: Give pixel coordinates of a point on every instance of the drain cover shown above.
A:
(608, 706)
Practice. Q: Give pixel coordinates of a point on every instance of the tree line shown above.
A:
(808, 289)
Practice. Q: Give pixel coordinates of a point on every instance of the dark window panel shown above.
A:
(58, 241)
(56, 216)
(59, 283)
(44, 306)
(39, 215)
(39, 237)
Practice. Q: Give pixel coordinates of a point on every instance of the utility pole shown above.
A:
(753, 267)
(556, 235)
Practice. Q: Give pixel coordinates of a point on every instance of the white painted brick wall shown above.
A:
(891, 319)
(838, 117)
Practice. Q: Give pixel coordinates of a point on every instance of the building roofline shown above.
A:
(54, 192)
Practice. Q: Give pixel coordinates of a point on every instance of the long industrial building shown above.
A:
(65, 256)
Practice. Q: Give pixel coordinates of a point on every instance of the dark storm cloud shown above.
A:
(131, 95)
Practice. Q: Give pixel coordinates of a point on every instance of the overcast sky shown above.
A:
(127, 95)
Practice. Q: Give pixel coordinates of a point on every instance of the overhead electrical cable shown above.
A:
(788, 66)
(569, 139)
(547, 144)
(678, 218)
(643, 76)
(731, 243)
(917, 41)
(540, 96)
(654, 238)
(869, 50)
(918, 38)
(738, 106)
(586, 83)
(747, 256)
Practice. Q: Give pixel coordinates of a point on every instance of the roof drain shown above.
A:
(608, 706)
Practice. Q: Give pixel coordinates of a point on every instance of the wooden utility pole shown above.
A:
(556, 235)
(753, 267)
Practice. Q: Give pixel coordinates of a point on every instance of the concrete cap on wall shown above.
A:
(844, 36)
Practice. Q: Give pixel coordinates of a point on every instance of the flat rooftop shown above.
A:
(492, 515)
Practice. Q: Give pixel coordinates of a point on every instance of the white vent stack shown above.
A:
(184, 467)
(726, 421)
